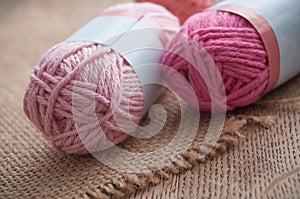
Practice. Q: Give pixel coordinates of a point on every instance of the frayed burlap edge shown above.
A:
(129, 183)
(230, 135)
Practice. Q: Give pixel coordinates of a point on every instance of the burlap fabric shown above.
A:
(263, 163)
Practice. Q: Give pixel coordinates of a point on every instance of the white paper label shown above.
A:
(283, 17)
(138, 44)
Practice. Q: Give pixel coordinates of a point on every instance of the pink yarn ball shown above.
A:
(237, 50)
(183, 8)
(99, 72)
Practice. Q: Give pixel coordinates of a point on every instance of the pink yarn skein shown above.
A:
(183, 8)
(237, 50)
(48, 99)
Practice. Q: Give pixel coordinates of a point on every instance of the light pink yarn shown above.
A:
(183, 8)
(237, 50)
(99, 72)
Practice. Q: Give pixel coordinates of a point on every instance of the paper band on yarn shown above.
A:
(134, 40)
(277, 22)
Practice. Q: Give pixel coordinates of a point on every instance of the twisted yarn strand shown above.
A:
(237, 50)
(91, 82)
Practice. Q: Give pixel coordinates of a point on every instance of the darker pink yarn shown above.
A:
(99, 72)
(237, 50)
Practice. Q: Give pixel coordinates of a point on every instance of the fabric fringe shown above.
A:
(129, 183)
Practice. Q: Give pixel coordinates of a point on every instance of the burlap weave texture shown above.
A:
(264, 164)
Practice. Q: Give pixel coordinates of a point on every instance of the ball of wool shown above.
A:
(183, 8)
(237, 51)
(100, 73)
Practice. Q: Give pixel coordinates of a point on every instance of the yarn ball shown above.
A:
(183, 8)
(237, 51)
(102, 75)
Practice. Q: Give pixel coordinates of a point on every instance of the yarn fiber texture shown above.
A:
(236, 49)
(183, 9)
(101, 74)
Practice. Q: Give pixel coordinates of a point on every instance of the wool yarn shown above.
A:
(237, 50)
(183, 8)
(100, 72)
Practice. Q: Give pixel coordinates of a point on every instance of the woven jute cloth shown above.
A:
(256, 156)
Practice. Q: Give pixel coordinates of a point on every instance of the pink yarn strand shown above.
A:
(237, 50)
(99, 74)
